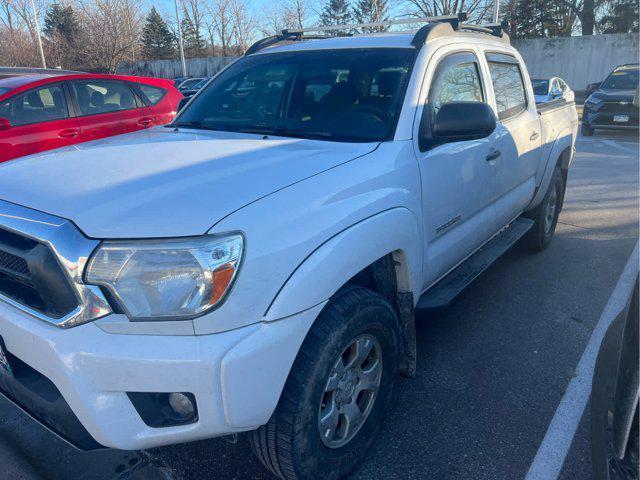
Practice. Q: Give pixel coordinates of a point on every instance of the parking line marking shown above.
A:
(614, 144)
(553, 450)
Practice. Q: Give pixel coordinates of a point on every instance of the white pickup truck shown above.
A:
(256, 266)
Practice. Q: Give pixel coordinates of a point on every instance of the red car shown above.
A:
(43, 111)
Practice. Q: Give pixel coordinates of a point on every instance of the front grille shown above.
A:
(13, 264)
(31, 276)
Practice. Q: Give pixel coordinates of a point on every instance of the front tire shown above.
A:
(546, 214)
(338, 389)
(586, 130)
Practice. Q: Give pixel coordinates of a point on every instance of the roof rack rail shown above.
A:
(453, 19)
(436, 26)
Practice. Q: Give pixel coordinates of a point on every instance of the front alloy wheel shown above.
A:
(350, 391)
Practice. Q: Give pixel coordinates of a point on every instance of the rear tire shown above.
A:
(546, 214)
(321, 382)
(586, 130)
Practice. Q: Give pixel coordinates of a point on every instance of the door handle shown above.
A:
(145, 122)
(534, 136)
(70, 133)
(493, 155)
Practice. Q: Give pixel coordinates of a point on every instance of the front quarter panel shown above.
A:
(283, 229)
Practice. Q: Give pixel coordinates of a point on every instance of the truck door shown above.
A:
(518, 135)
(458, 178)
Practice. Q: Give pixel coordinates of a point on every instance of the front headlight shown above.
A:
(167, 279)
(592, 102)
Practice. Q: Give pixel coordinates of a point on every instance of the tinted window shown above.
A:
(456, 79)
(340, 95)
(103, 96)
(508, 88)
(540, 87)
(35, 106)
(154, 94)
(621, 80)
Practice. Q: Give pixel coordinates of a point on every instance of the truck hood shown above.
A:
(165, 182)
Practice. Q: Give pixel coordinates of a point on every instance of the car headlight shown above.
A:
(592, 102)
(167, 279)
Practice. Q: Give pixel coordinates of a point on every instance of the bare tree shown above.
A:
(19, 28)
(478, 10)
(282, 14)
(222, 18)
(243, 24)
(109, 29)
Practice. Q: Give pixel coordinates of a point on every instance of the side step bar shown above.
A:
(443, 292)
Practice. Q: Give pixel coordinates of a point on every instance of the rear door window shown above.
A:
(508, 86)
(103, 96)
(38, 105)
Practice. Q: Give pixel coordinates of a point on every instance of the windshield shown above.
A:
(621, 80)
(540, 87)
(350, 95)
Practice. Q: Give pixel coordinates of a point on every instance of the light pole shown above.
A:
(35, 19)
(496, 10)
(184, 64)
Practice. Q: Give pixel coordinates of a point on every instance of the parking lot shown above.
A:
(492, 368)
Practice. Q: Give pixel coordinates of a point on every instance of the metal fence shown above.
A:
(196, 67)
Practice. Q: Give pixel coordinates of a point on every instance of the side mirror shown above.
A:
(459, 121)
(5, 124)
(183, 101)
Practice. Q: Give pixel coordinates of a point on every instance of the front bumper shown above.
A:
(236, 377)
(603, 116)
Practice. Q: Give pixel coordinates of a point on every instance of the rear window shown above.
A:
(103, 96)
(508, 88)
(154, 94)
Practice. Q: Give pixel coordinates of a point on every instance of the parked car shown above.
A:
(549, 89)
(42, 112)
(255, 265)
(611, 105)
(614, 399)
(190, 83)
(190, 92)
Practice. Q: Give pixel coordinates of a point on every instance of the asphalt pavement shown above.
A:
(493, 367)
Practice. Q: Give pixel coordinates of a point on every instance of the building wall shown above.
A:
(578, 60)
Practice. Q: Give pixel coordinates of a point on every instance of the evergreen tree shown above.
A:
(194, 44)
(371, 11)
(158, 43)
(532, 18)
(61, 21)
(621, 17)
(336, 12)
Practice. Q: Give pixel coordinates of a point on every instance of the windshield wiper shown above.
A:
(194, 124)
